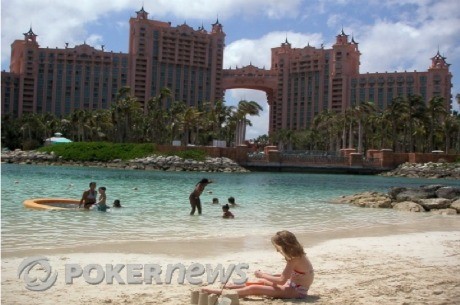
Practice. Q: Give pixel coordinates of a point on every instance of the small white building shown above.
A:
(58, 138)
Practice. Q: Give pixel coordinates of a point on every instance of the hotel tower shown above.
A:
(300, 84)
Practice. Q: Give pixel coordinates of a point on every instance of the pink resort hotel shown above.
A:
(301, 83)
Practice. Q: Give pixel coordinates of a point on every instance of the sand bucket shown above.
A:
(212, 299)
(223, 301)
(194, 297)
(203, 298)
(233, 297)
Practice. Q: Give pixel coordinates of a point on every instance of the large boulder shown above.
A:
(415, 195)
(408, 206)
(394, 191)
(367, 199)
(434, 203)
(445, 212)
(431, 187)
(456, 205)
(448, 192)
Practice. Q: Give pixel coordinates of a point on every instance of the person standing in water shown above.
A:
(101, 204)
(194, 197)
(89, 196)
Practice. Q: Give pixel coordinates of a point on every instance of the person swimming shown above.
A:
(227, 213)
(116, 203)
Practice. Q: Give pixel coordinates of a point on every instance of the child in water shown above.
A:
(227, 213)
(231, 201)
(101, 205)
(295, 280)
(116, 203)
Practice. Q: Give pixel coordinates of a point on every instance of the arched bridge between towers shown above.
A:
(251, 77)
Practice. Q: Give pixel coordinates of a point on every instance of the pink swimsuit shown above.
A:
(301, 290)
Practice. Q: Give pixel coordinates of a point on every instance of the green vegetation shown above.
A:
(159, 120)
(99, 151)
(407, 124)
(105, 151)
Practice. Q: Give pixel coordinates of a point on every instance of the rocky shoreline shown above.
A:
(154, 162)
(428, 170)
(437, 199)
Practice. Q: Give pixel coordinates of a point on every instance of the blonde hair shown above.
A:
(290, 246)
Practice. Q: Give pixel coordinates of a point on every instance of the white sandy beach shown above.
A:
(414, 268)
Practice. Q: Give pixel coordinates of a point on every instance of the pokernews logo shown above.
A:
(38, 274)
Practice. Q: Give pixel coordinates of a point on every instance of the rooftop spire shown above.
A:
(30, 32)
(142, 14)
(353, 39)
(30, 35)
(217, 21)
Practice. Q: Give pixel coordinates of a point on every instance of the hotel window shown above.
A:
(389, 95)
(362, 95)
(380, 98)
(423, 92)
(423, 80)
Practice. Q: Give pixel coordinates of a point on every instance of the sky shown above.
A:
(393, 35)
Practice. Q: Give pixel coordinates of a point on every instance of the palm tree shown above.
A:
(415, 110)
(175, 112)
(11, 132)
(125, 115)
(102, 124)
(188, 120)
(284, 138)
(244, 108)
(436, 113)
(362, 114)
(395, 112)
(451, 130)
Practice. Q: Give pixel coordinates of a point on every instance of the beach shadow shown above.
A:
(307, 300)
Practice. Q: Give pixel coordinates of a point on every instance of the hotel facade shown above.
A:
(300, 84)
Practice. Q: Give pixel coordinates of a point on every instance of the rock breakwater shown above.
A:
(154, 162)
(436, 199)
(428, 170)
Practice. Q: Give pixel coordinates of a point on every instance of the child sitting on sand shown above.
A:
(295, 280)
(227, 213)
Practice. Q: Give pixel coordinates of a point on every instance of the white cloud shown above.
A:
(258, 51)
(94, 40)
(55, 22)
(401, 46)
(225, 9)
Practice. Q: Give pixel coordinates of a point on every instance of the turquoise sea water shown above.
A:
(156, 206)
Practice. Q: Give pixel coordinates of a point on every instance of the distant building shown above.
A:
(310, 80)
(300, 84)
(187, 61)
(59, 81)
